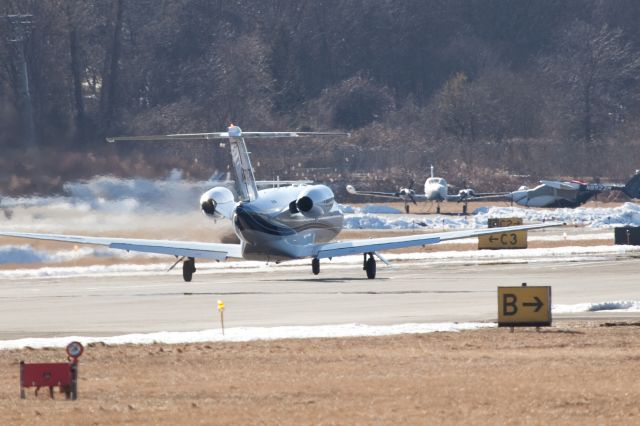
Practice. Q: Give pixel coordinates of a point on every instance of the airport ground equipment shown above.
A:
(61, 374)
(627, 235)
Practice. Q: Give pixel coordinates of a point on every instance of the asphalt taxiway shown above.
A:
(102, 306)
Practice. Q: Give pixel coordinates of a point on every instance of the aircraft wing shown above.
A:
(216, 251)
(456, 197)
(351, 190)
(504, 196)
(371, 245)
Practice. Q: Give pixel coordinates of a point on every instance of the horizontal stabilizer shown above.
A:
(283, 182)
(223, 135)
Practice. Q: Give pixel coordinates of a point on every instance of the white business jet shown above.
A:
(435, 189)
(274, 224)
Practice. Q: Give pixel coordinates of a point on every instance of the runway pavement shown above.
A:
(293, 296)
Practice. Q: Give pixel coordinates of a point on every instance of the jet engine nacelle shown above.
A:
(218, 203)
(314, 201)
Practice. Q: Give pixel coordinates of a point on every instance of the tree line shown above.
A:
(486, 90)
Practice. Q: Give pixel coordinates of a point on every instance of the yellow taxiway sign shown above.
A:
(524, 306)
(503, 240)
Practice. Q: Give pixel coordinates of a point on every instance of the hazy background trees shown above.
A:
(486, 90)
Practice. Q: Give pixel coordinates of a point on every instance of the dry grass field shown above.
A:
(572, 373)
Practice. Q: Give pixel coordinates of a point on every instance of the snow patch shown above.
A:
(245, 334)
(600, 217)
(379, 209)
(27, 254)
(368, 209)
(597, 217)
(345, 208)
(618, 306)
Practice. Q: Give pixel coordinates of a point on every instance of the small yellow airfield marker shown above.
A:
(221, 310)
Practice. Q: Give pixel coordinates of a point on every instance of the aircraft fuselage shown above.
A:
(283, 223)
(546, 196)
(435, 189)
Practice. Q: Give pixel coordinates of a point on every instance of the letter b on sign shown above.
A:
(509, 304)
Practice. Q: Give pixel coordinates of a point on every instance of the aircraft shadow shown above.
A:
(324, 280)
(362, 292)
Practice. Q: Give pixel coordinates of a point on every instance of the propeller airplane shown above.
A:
(436, 189)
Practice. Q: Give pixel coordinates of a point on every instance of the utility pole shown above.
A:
(20, 27)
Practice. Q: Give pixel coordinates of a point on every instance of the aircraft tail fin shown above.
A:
(632, 188)
(240, 156)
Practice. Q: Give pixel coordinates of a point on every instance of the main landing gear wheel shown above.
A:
(188, 268)
(369, 266)
(315, 266)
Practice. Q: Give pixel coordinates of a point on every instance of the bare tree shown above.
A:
(594, 77)
(459, 115)
(110, 76)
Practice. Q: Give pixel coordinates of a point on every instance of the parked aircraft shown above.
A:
(274, 224)
(435, 189)
(552, 193)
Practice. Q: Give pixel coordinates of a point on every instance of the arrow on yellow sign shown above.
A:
(538, 304)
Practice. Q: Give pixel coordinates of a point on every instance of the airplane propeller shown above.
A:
(412, 192)
(465, 192)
